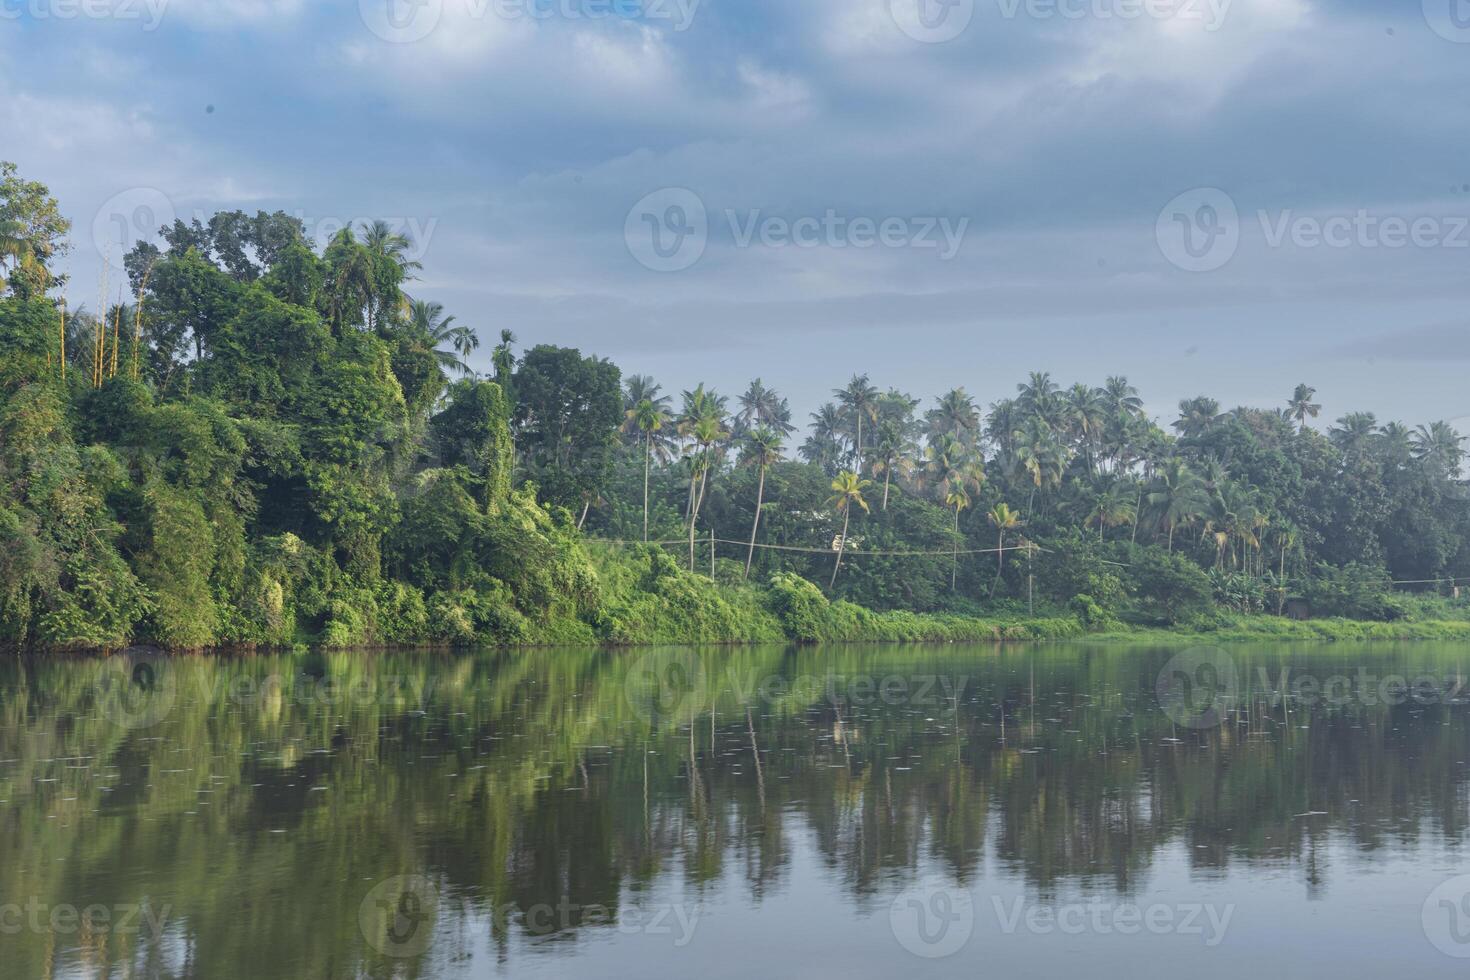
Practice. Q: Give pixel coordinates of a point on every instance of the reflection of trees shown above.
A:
(525, 780)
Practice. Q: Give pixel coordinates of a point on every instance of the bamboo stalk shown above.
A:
(138, 318)
(63, 338)
(116, 322)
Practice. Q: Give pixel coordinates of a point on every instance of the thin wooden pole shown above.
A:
(63, 338)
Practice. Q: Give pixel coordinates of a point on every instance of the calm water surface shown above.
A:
(856, 812)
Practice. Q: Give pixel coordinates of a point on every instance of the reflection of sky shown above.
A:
(523, 143)
(1267, 922)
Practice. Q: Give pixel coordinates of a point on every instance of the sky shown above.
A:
(1222, 197)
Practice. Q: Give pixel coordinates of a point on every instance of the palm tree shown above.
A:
(951, 467)
(1440, 445)
(1003, 519)
(762, 450)
(1177, 494)
(860, 401)
(438, 331)
(1197, 416)
(647, 417)
(1301, 406)
(1115, 506)
(847, 490)
(504, 359)
(1041, 457)
(1354, 430)
(706, 432)
(891, 454)
(956, 416)
(823, 445)
(17, 248)
(958, 498)
(1088, 414)
(762, 406)
(388, 251)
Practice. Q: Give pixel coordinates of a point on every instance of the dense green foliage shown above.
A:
(265, 448)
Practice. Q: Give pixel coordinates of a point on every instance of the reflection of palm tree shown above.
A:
(762, 450)
(847, 491)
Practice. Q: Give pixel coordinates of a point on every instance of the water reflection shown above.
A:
(575, 810)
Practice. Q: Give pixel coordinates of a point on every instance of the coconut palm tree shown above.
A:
(859, 401)
(1003, 519)
(1176, 494)
(1301, 407)
(1087, 415)
(762, 450)
(891, 454)
(706, 432)
(847, 492)
(1197, 416)
(762, 406)
(824, 444)
(1440, 445)
(439, 331)
(955, 415)
(649, 418)
(1354, 431)
(1115, 506)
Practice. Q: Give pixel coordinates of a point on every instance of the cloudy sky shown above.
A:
(1211, 196)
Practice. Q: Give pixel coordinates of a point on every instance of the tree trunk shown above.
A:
(760, 497)
(954, 565)
(1000, 558)
(841, 547)
(887, 474)
(647, 453)
(586, 506)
